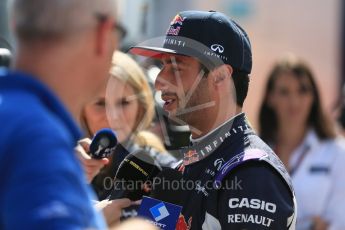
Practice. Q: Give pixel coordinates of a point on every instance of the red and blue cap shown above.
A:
(211, 37)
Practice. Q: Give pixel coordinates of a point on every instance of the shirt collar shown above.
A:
(311, 138)
(310, 142)
(204, 146)
(194, 141)
(20, 80)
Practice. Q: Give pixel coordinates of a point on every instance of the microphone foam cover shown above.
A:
(103, 143)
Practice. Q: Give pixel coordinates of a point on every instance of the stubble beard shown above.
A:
(194, 111)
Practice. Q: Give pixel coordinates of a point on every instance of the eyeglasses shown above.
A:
(119, 29)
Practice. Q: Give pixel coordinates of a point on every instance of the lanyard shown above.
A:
(299, 160)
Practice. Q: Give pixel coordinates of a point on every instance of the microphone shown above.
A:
(5, 57)
(103, 143)
(134, 175)
(164, 205)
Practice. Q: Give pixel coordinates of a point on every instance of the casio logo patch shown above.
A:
(253, 204)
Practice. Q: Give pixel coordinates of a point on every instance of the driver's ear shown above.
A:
(220, 73)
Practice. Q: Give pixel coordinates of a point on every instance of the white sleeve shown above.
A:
(335, 209)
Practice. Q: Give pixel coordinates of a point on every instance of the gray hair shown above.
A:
(52, 18)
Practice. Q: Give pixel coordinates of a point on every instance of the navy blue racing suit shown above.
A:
(233, 180)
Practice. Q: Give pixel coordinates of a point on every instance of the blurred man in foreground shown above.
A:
(64, 49)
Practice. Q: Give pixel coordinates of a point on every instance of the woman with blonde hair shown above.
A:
(125, 105)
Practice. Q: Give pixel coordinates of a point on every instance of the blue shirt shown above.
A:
(42, 183)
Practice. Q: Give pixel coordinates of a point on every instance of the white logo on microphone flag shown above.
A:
(159, 211)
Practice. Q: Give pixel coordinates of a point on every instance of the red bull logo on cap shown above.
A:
(178, 20)
(175, 25)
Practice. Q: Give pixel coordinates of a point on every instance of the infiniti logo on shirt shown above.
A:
(217, 47)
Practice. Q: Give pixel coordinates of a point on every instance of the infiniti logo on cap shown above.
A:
(217, 47)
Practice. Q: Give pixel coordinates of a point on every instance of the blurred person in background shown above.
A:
(293, 122)
(125, 103)
(340, 112)
(64, 50)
